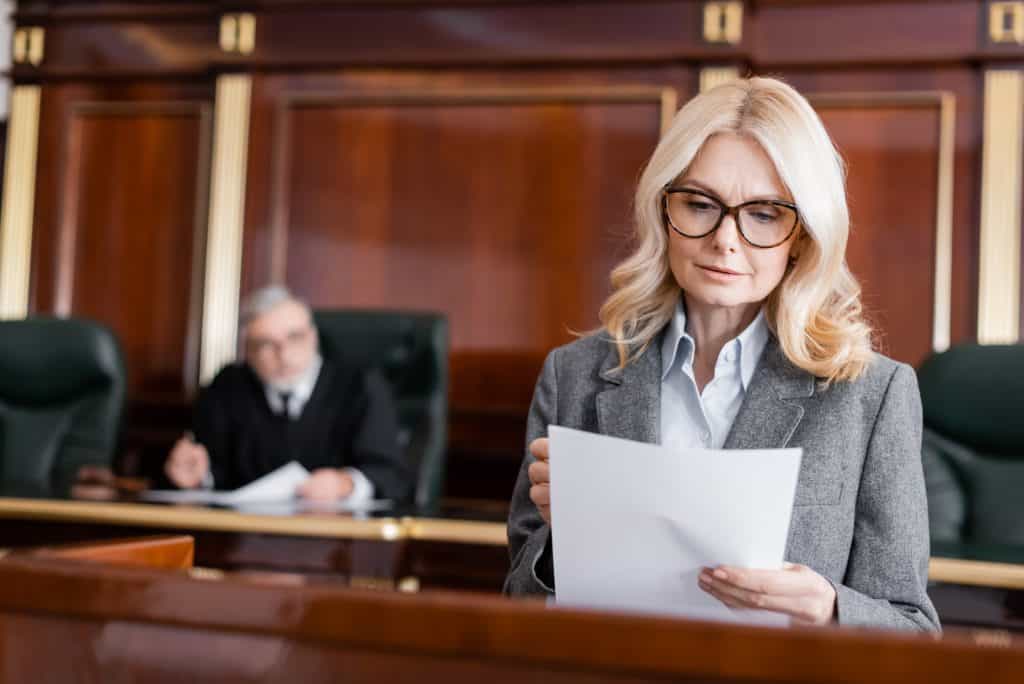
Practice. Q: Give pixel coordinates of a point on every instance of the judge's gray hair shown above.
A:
(261, 301)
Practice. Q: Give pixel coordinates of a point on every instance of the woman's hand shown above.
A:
(796, 590)
(540, 478)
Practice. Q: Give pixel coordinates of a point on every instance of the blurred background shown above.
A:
(475, 158)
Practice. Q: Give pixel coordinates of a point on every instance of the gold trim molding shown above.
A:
(238, 33)
(1006, 22)
(942, 293)
(723, 22)
(19, 201)
(716, 76)
(28, 45)
(219, 336)
(999, 253)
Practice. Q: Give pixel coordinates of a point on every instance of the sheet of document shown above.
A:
(276, 486)
(633, 523)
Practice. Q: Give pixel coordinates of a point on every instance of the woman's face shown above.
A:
(722, 269)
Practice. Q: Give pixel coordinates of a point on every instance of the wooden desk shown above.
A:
(415, 553)
(130, 624)
(376, 552)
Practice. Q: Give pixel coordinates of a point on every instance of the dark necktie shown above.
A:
(286, 398)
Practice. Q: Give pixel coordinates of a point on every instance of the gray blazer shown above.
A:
(860, 517)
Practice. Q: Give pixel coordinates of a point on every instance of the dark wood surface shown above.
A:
(395, 161)
(168, 552)
(144, 625)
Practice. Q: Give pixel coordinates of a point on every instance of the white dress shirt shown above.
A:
(690, 418)
(299, 394)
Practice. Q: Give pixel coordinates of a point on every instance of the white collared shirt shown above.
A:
(690, 418)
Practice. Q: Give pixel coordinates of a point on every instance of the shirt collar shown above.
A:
(677, 344)
(303, 387)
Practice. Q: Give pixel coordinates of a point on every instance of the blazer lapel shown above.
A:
(767, 418)
(631, 407)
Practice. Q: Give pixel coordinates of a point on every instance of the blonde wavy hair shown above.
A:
(815, 311)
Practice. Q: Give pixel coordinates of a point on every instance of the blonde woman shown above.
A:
(736, 324)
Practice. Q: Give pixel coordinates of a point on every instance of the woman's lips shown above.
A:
(719, 272)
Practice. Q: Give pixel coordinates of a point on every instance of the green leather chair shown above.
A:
(411, 350)
(973, 451)
(62, 387)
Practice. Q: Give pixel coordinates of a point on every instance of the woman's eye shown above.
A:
(695, 205)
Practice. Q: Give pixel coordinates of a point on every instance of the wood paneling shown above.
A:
(123, 243)
(504, 209)
(891, 147)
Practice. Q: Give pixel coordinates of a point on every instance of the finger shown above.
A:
(789, 582)
(800, 607)
(539, 472)
(540, 495)
(539, 448)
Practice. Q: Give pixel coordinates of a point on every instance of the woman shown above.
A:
(736, 324)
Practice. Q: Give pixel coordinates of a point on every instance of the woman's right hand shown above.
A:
(540, 478)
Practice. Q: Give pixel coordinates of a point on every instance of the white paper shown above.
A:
(274, 487)
(633, 523)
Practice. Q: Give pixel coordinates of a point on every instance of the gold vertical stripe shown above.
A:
(224, 230)
(669, 106)
(36, 43)
(715, 76)
(999, 259)
(246, 33)
(18, 201)
(941, 313)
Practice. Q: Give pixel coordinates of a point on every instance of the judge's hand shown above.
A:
(540, 479)
(326, 484)
(796, 590)
(188, 463)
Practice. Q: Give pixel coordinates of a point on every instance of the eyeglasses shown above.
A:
(762, 223)
(261, 346)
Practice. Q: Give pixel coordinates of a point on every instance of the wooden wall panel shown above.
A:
(124, 244)
(504, 208)
(892, 152)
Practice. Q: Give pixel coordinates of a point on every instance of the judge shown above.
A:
(285, 402)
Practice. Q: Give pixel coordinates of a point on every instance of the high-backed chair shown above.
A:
(973, 399)
(62, 386)
(411, 350)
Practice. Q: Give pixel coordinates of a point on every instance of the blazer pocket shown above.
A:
(818, 492)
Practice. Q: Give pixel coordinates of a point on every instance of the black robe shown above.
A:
(350, 420)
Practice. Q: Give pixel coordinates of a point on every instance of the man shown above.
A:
(286, 402)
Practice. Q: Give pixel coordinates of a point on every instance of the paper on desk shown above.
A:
(277, 485)
(634, 523)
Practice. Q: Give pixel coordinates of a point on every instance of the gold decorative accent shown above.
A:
(36, 41)
(206, 574)
(224, 228)
(27, 45)
(238, 33)
(723, 22)
(999, 252)
(715, 76)
(409, 585)
(246, 33)
(229, 33)
(943, 288)
(299, 525)
(18, 201)
(19, 46)
(374, 583)
(1006, 22)
(942, 293)
(976, 573)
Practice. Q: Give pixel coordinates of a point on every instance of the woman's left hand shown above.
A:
(796, 590)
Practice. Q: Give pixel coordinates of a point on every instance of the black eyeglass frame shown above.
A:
(726, 210)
